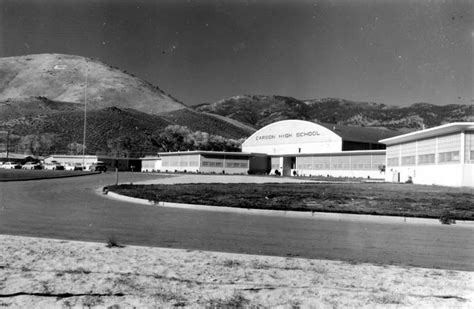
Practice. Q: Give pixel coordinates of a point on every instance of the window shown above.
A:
(408, 160)
(393, 162)
(451, 156)
(426, 158)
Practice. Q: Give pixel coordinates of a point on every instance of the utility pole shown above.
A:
(85, 120)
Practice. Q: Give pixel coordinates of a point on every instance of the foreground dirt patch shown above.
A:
(53, 273)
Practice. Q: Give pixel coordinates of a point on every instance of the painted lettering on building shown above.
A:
(287, 135)
(309, 133)
(265, 137)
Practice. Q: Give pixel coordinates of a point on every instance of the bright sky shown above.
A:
(394, 52)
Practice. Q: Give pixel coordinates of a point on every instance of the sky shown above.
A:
(395, 52)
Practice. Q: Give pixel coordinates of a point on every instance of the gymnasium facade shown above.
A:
(442, 156)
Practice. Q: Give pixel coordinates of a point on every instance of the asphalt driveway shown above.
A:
(70, 209)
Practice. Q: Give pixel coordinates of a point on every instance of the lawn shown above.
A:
(357, 198)
(19, 175)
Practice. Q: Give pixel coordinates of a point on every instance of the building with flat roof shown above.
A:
(442, 155)
(213, 162)
(122, 164)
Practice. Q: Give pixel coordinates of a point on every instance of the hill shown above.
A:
(260, 110)
(42, 108)
(59, 77)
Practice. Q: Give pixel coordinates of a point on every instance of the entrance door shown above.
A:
(288, 165)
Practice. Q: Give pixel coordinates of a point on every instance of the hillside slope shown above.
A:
(58, 132)
(58, 127)
(63, 78)
(257, 110)
(260, 110)
(210, 123)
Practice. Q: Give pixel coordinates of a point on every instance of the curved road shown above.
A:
(69, 208)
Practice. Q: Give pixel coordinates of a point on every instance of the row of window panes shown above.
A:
(408, 150)
(448, 143)
(236, 165)
(426, 158)
(452, 156)
(212, 164)
(393, 161)
(346, 166)
(408, 160)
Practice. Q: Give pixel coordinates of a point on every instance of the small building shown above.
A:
(442, 155)
(86, 160)
(213, 162)
(17, 157)
(123, 164)
(151, 164)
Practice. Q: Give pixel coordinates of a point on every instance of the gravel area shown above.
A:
(46, 273)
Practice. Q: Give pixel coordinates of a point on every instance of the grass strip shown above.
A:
(356, 198)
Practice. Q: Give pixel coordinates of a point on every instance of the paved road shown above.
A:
(70, 209)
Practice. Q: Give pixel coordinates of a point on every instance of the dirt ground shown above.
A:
(45, 273)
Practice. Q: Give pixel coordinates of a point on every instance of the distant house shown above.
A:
(123, 164)
(16, 157)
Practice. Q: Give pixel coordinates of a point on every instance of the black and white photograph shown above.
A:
(236, 154)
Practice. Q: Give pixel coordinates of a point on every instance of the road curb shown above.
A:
(288, 213)
(46, 178)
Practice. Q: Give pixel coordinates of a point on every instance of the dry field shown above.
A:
(45, 273)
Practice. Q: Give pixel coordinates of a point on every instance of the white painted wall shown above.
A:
(150, 165)
(452, 175)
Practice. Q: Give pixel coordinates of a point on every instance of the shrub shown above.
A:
(113, 243)
(447, 218)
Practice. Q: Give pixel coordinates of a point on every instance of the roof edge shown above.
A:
(443, 129)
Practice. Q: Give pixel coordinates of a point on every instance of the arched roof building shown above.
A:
(303, 137)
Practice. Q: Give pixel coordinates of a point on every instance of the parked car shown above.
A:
(98, 167)
(32, 166)
(11, 165)
(53, 166)
(73, 167)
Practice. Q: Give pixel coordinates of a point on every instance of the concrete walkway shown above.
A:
(201, 178)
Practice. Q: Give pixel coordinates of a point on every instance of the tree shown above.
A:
(178, 138)
(39, 144)
(75, 148)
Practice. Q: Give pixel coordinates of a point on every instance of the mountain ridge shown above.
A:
(266, 109)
